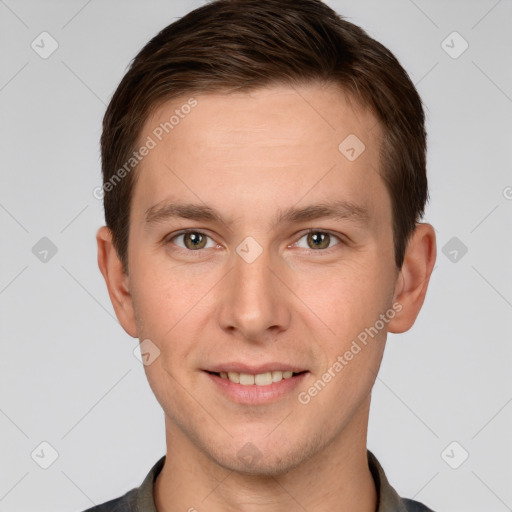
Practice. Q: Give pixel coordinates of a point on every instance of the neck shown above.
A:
(336, 478)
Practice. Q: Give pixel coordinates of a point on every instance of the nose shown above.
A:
(255, 304)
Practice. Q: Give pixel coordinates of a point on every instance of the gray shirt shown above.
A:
(140, 499)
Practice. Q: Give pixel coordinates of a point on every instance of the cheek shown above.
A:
(346, 299)
(164, 292)
(171, 302)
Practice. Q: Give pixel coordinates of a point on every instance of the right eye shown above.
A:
(192, 240)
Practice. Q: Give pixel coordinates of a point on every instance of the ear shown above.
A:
(117, 281)
(413, 278)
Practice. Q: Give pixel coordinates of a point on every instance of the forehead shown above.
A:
(279, 143)
(269, 117)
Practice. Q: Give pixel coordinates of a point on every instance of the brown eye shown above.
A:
(194, 240)
(318, 240)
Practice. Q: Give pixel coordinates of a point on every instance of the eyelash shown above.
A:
(169, 240)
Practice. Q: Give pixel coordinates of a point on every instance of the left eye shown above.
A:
(318, 240)
(193, 240)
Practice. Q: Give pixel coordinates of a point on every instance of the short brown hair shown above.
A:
(229, 45)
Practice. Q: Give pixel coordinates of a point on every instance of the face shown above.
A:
(257, 248)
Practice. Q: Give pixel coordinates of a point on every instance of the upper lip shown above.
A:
(254, 370)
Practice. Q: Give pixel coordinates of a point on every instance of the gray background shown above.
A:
(68, 372)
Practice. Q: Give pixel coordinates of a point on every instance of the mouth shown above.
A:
(249, 384)
(257, 379)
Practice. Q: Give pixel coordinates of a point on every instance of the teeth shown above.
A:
(232, 376)
(260, 379)
(246, 379)
(263, 379)
(277, 376)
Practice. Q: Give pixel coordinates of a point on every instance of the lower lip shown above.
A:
(254, 394)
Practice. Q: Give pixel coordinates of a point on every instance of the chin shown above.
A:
(263, 458)
(265, 467)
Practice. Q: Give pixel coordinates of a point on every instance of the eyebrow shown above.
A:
(339, 210)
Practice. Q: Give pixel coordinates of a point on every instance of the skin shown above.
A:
(249, 155)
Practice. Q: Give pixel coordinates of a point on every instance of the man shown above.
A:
(264, 178)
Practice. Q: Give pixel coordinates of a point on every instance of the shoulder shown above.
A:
(125, 503)
(389, 499)
(415, 506)
(139, 498)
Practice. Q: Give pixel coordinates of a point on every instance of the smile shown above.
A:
(259, 379)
